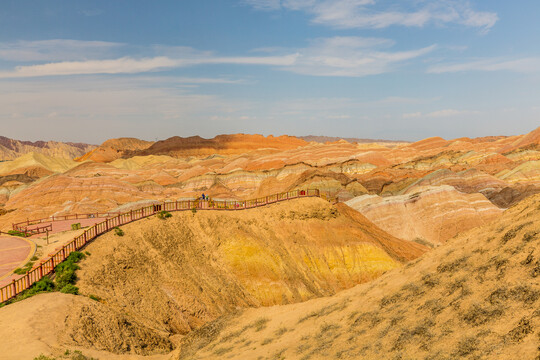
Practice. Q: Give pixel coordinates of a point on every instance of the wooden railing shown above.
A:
(47, 266)
(23, 226)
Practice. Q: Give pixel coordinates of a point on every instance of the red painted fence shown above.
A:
(47, 267)
(23, 226)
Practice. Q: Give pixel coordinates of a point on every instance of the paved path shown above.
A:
(17, 251)
(14, 253)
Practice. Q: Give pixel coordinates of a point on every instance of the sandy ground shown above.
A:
(32, 327)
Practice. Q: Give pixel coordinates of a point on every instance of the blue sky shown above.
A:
(409, 69)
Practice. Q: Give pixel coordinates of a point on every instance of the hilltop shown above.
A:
(11, 149)
(114, 149)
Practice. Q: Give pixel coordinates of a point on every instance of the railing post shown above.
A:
(13, 289)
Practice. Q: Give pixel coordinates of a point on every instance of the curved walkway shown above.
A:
(14, 253)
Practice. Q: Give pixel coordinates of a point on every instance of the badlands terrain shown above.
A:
(423, 250)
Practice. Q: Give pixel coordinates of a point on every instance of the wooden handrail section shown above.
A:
(47, 266)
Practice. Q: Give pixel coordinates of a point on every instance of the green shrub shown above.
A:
(43, 357)
(65, 271)
(76, 226)
(118, 231)
(70, 289)
(94, 297)
(16, 233)
(26, 268)
(34, 258)
(41, 286)
(19, 271)
(164, 215)
(64, 281)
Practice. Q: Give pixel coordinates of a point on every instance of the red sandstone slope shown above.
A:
(222, 144)
(114, 149)
(532, 139)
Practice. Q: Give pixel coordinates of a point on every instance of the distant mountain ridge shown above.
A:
(11, 149)
(196, 146)
(324, 139)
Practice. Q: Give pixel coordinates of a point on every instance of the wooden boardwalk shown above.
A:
(47, 266)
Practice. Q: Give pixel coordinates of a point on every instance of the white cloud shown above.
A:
(264, 4)
(372, 14)
(128, 65)
(117, 66)
(351, 56)
(414, 115)
(337, 56)
(523, 65)
(56, 50)
(445, 113)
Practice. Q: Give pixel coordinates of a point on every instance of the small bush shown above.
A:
(16, 233)
(41, 286)
(76, 226)
(26, 268)
(118, 231)
(43, 357)
(87, 253)
(477, 315)
(70, 289)
(260, 324)
(222, 351)
(164, 215)
(467, 346)
(34, 258)
(65, 271)
(19, 271)
(95, 298)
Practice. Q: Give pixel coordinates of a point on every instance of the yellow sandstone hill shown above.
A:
(35, 163)
(165, 278)
(476, 297)
(11, 149)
